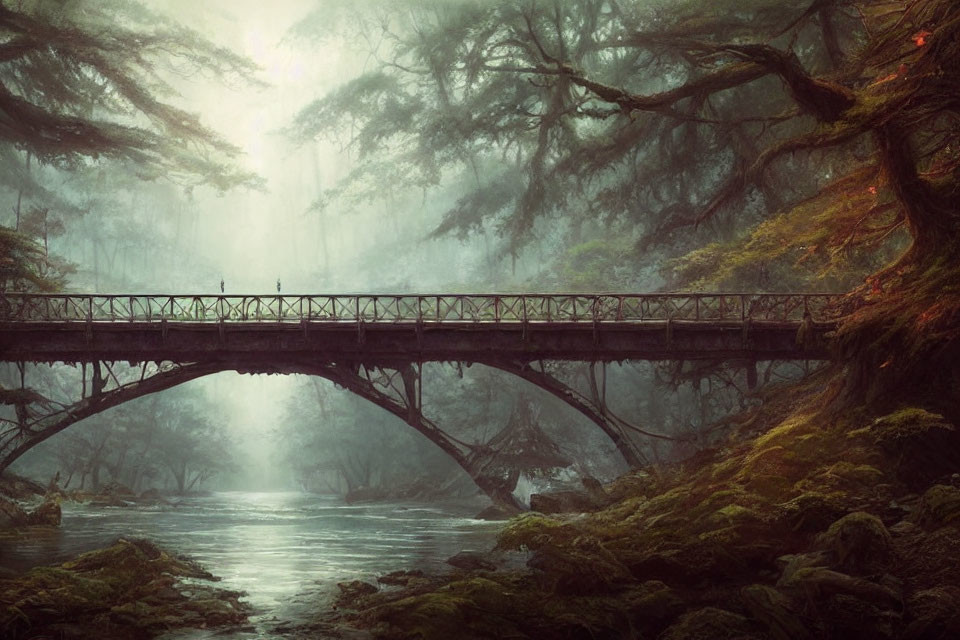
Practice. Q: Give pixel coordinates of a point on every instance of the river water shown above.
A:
(286, 550)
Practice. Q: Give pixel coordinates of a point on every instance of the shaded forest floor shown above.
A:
(806, 524)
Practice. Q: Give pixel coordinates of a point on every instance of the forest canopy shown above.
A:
(788, 132)
(762, 145)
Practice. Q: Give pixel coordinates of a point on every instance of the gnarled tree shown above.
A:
(810, 139)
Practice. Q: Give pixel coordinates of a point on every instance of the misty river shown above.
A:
(286, 550)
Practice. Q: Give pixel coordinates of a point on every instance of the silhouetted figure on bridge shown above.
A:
(278, 285)
(221, 285)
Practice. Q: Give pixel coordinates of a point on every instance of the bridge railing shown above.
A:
(453, 308)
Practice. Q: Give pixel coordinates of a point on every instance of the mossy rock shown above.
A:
(934, 613)
(776, 462)
(668, 503)
(474, 608)
(770, 487)
(633, 484)
(853, 618)
(353, 592)
(842, 476)
(940, 506)
(723, 536)
(580, 617)
(775, 611)
(532, 531)
(859, 542)
(726, 469)
(787, 432)
(733, 514)
(792, 563)
(819, 584)
(653, 604)
(723, 497)
(710, 623)
(924, 446)
(128, 590)
(811, 511)
(583, 569)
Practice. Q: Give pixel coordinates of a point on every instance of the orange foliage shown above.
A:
(920, 38)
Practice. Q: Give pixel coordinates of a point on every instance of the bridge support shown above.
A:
(398, 391)
(593, 406)
(39, 418)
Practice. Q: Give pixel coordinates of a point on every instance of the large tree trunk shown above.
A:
(901, 340)
(932, 218)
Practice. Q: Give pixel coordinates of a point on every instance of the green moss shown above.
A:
(922, 446)
(735, 513)
(708, 623)
(770, 486)
(735, 495)
(940, 506)
(126, 590)
(906, 424)
(667, 501)
(786, 433)
(726, 469)
(811, 511)
(654, 600)
(775, 461)
(725, 536)
(530, 531)
(859, 541)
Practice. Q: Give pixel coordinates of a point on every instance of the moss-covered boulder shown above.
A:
(923, 446)
(859, 542)
(939, 506)
(653, 604)
(582, 569)
(352, 593)
(811, 511)
(129, 590)
(934, 613)
(470, 608)
(710, 623)
(849, 617)
(820, 584)
(775, 611)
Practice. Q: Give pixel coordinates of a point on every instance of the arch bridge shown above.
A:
(375, 346)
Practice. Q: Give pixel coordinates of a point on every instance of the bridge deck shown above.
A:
(259, 330)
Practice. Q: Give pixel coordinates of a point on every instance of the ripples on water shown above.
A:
(274, 546)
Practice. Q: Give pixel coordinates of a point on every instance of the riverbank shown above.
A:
(129, 590)
(807, 524)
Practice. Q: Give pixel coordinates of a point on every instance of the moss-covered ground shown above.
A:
(804, 524)
(127, 591)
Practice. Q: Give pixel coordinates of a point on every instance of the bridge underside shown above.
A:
(255, 345)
